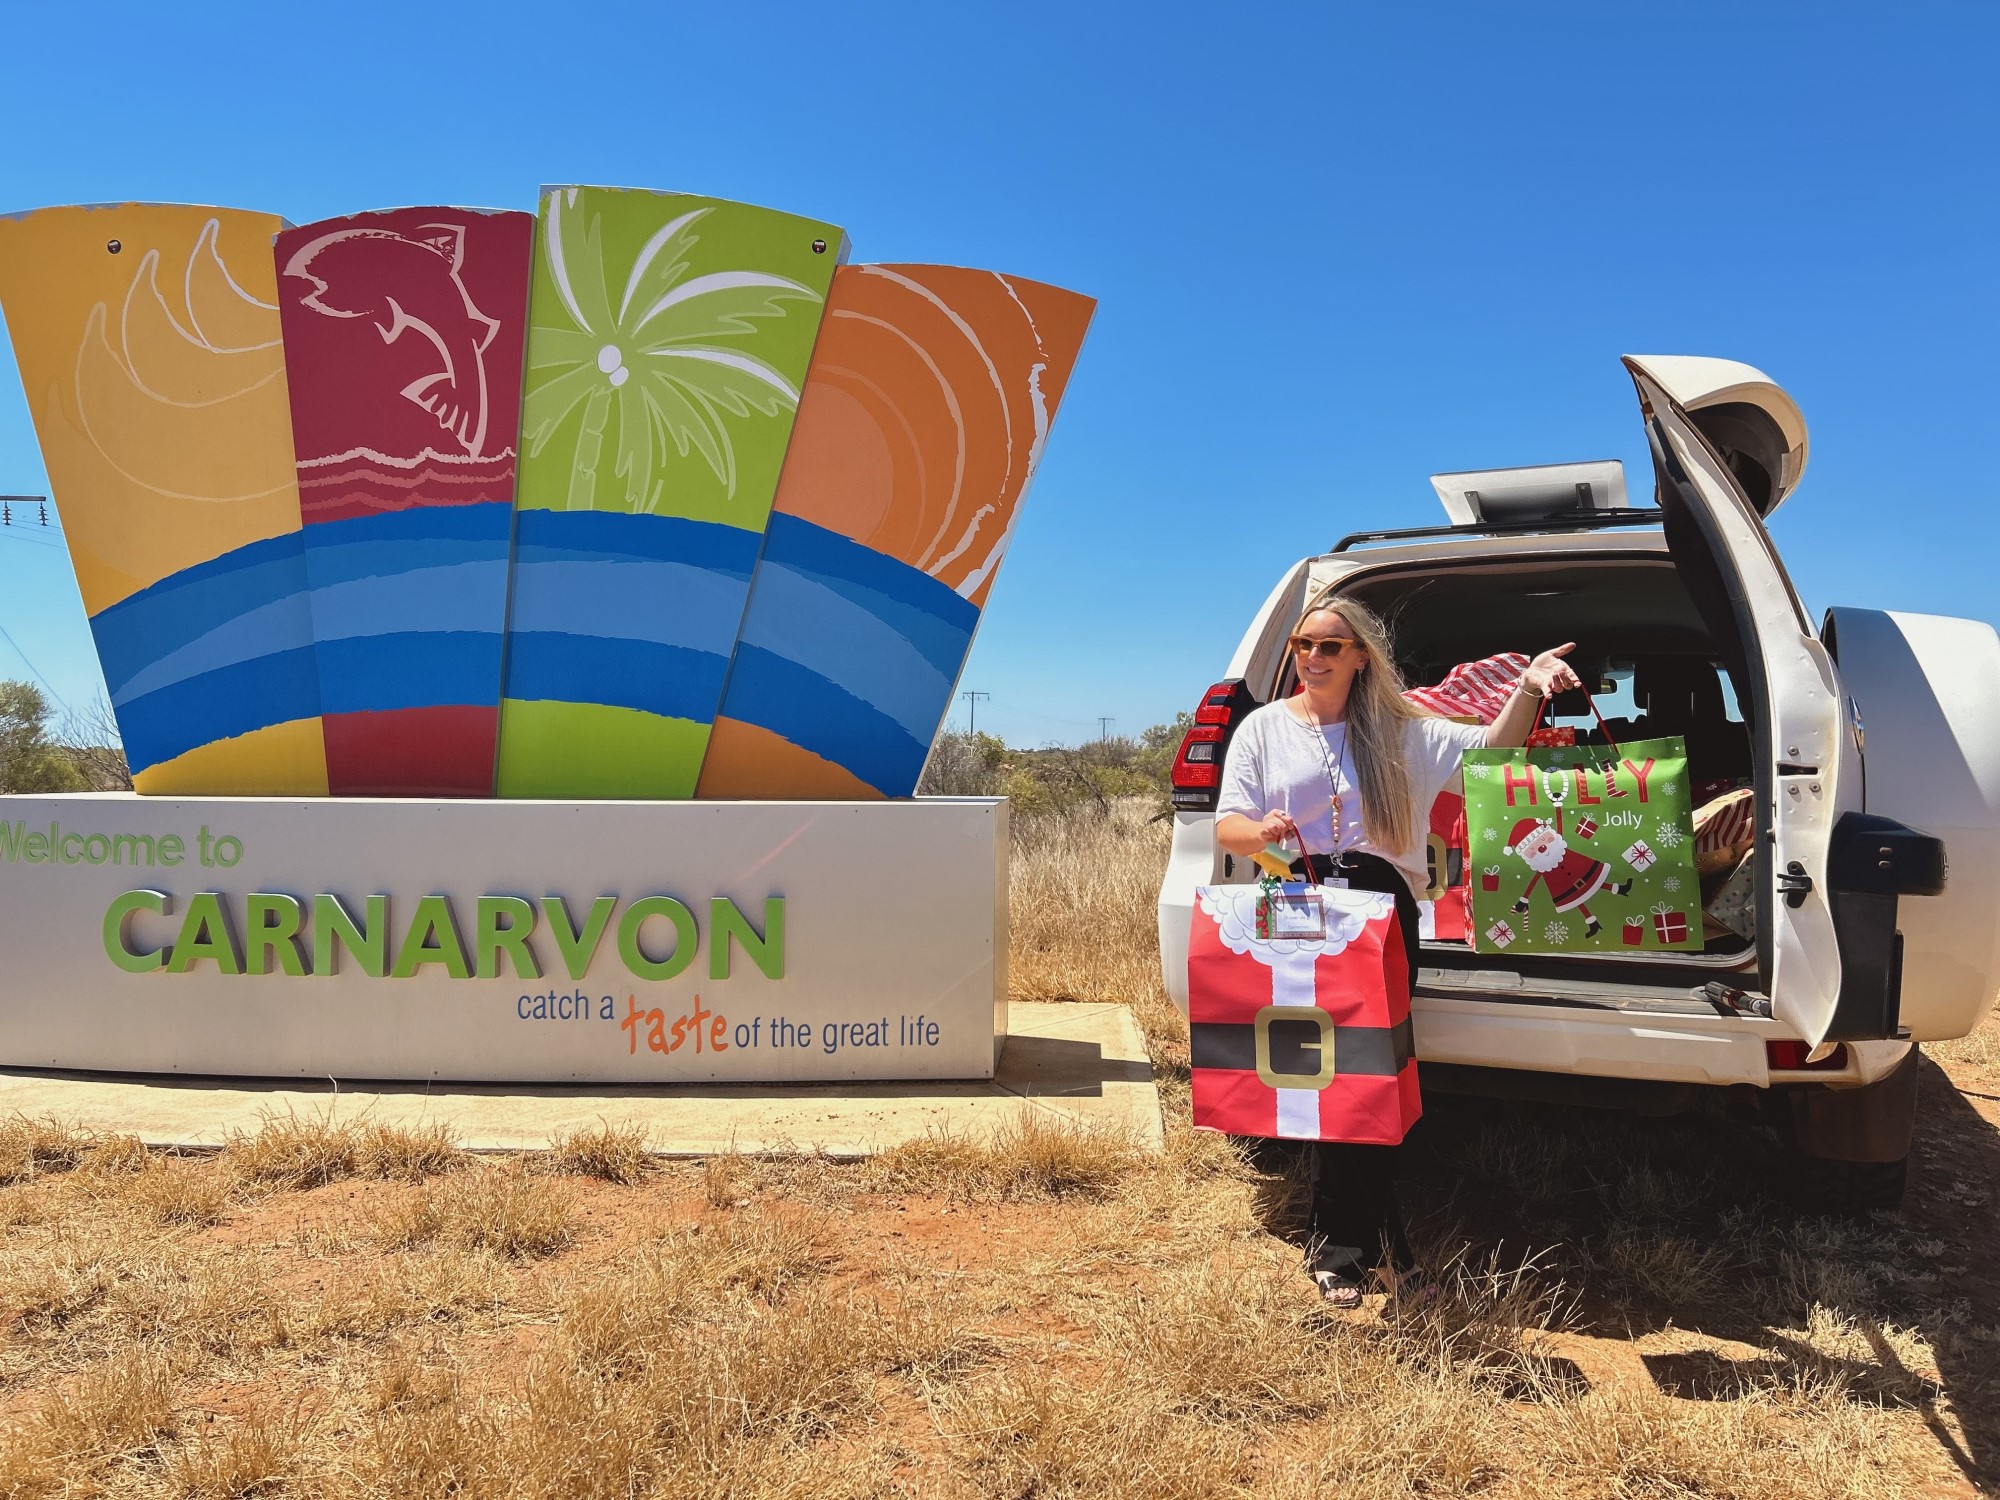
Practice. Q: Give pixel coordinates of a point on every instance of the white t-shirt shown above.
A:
(1278, 761)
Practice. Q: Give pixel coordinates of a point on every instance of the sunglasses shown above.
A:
(1329, 648)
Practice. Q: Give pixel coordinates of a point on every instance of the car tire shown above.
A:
(1850, 1189)
(1850, 1147)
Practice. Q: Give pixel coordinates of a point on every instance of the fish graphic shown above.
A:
(350, 269)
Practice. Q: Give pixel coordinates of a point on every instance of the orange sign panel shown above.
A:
(923, 417)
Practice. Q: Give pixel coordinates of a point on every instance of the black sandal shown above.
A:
(1337, 1290)
(1333, 1272)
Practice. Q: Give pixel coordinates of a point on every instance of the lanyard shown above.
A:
(1338, 807)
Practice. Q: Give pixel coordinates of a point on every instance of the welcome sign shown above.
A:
(473, 588)
(643, 495)
(523, 941)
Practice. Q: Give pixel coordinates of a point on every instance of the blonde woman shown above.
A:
(1348, 768)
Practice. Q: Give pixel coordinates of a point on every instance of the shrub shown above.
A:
(30, 761)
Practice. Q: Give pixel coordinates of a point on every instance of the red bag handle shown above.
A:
(1542, 707)
(1305, 853)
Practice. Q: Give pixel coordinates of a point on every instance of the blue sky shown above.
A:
(1335, 249)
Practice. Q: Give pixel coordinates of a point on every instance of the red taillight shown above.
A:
(1790, 1057)
(1198, 763)
(1219, 703)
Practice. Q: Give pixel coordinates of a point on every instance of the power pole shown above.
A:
(8, 502)
(1104, 723)
(972, 710)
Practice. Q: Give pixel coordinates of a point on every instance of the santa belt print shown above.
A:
(1300, 1047)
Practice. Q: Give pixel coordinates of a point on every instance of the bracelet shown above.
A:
(1530, 691)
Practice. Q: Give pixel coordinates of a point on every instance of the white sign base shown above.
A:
(527, 942)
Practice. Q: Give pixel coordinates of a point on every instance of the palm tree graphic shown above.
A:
(652, 355)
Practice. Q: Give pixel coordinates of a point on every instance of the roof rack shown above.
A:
(1572, 520)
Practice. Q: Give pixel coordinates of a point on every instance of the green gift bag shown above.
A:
(1582, 849)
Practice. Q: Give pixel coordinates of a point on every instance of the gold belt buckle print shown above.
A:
(1294, 1015)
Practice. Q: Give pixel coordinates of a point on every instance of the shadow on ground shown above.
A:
(1682, 1232)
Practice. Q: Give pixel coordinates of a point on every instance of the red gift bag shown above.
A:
(1442, 907)
(1306, 1039)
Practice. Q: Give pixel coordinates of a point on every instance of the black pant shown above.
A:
(1354, 1188)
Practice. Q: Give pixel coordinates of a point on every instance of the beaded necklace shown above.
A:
(1333, 775)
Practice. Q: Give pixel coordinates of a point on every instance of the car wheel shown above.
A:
(1850, 1189)
(1850, 1147)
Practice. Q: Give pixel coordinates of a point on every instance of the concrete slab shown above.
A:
(1085, 1063)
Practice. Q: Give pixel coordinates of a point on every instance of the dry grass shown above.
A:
(723, 1180)
(1083, 891)
(336, 1309)
(407, 1153)
(1979, 1051)
(171, 1191)
(290, 1153)
(112, 1154)
(1034, 1155)
(32, 1148)
(256, 1454)
(610, 1153)
(508, 1211)
(110, 1413)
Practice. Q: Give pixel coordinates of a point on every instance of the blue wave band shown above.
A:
(430, 536)
(402, 609)
(409, 607)
(614, 536)
(670, 681)
(806, 622)
(631, 611)
(928, 614)
(813, 714)
(178, 610)
(219, 705)
(873, 644)
(409, 669)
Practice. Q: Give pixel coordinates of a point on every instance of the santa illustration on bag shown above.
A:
(1570, 876)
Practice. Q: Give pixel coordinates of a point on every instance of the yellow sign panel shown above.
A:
(149, 347)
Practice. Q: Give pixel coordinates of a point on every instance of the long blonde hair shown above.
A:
(1377, 713)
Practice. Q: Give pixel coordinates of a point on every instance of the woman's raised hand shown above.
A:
(1548, 673)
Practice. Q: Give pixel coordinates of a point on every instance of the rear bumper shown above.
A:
(1602, 1043)
(1595, 1040)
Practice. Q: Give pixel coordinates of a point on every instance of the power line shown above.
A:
(1017, 711)
(34, 669)
(31, 538)
(34, 534)
(1104, 723)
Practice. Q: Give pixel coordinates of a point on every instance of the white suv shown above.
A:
(1685, 614)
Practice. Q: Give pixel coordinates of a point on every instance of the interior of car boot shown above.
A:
(1652, 666)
